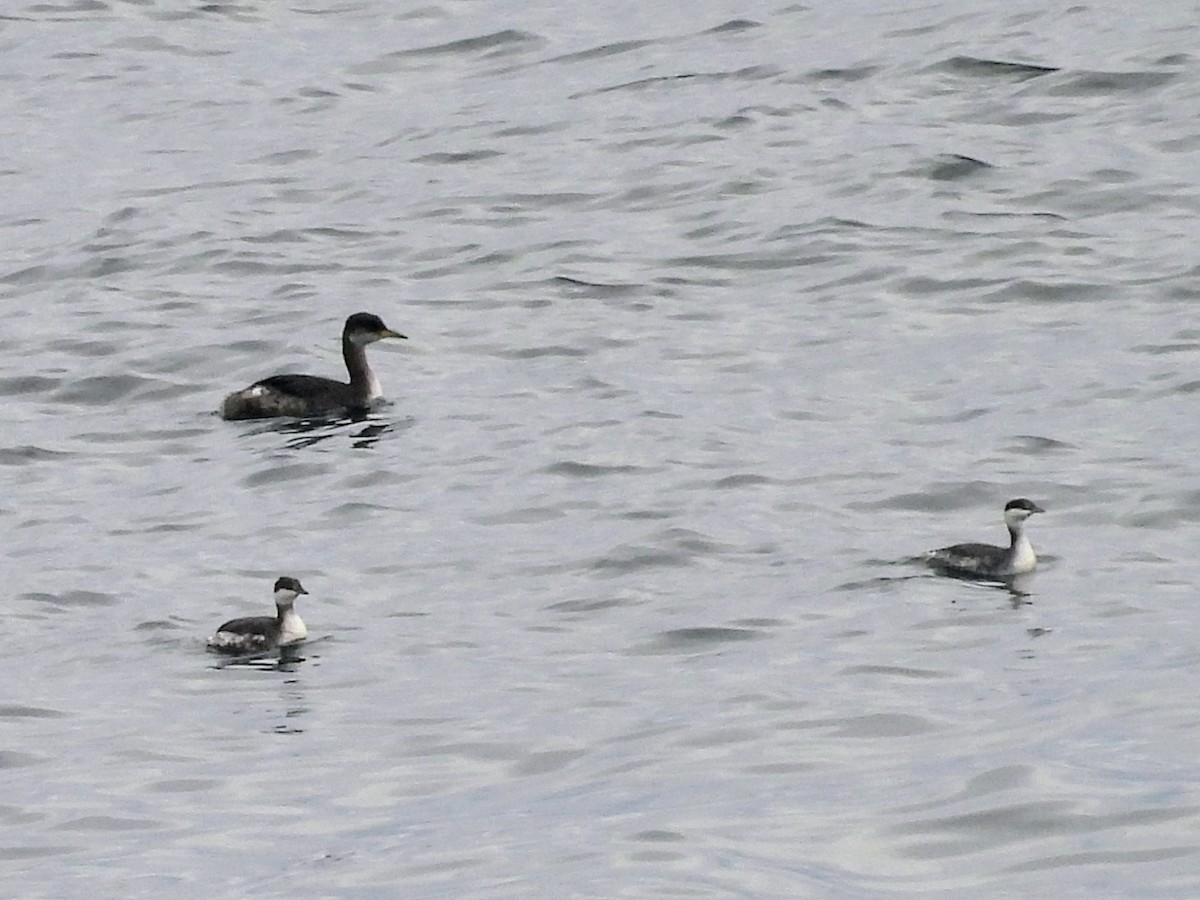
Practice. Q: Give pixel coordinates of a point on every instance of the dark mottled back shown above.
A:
(262, 625)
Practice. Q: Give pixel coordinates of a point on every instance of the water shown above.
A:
(715, 320)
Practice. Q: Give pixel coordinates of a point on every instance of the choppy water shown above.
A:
(717, 316)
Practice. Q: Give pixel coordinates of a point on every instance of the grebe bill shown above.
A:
(311, 395)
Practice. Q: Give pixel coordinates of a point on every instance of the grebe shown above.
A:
(256, 633)
(310, 395)
(987, 561)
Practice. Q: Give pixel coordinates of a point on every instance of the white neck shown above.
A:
(292, 628)
(1021, 557)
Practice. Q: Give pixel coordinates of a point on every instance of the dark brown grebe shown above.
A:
(311, 395)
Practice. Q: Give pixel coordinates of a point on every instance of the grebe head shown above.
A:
(287, 590)
(367, 328)
(1017, 511)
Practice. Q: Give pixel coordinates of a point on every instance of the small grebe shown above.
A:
(987, 561)
(311, 395)
(255, 633)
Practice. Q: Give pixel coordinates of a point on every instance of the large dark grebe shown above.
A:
(255, 633)
(310, 395)
(987, 561)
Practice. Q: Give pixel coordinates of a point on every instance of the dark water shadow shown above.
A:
(281, 659)
(363, 428)
(72, 598)
(1019, 587)
(703, 639)
(952, 167)
(977, 67)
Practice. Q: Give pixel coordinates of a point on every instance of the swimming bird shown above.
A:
(256, 633)
(311, 395)
(986, 560)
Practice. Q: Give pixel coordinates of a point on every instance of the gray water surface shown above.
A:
(718, 315)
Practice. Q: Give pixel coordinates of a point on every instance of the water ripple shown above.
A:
(723, 317)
